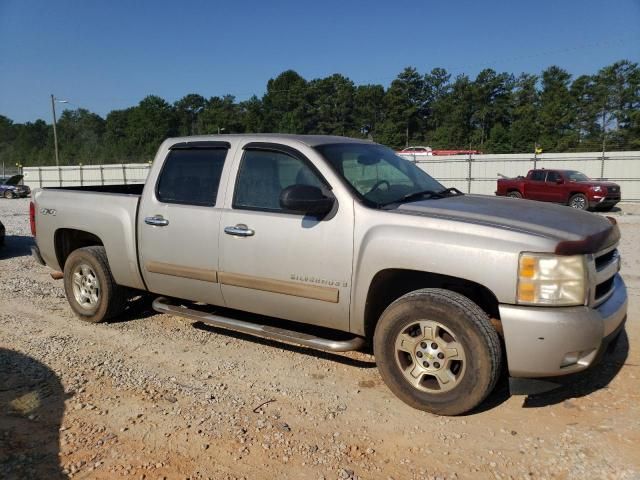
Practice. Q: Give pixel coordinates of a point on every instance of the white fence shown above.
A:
(73, 176)
(469, 173)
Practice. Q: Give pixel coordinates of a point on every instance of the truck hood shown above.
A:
(575, 231)
(13, 181)
(595, 183)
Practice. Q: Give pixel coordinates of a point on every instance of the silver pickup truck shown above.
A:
(339, 244)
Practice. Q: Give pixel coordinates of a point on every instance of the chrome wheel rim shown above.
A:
(86, 286)
(430, 357)
(578, 202)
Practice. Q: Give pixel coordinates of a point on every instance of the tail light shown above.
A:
(32, 218)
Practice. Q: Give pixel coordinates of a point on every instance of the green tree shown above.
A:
(525, 127)
(187, 110)
(557, 111)
(404, 105)
(285, 104)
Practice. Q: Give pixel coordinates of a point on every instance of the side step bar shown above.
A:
(162, 305)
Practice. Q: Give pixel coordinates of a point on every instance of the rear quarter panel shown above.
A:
(110, 217)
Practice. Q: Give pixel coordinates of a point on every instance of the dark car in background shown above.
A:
(12, 187)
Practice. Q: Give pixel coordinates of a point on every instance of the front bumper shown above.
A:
(604, 201)
(539, 339)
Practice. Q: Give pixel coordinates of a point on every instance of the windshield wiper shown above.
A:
(450, 191)
(426, 194)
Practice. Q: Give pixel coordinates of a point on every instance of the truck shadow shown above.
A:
(16, 246)
(587, 382)
(31, 408)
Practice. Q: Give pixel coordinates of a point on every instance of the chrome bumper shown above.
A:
(541, 341)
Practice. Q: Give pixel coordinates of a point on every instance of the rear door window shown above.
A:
(191, 176)
(538, 175)
(553, 177)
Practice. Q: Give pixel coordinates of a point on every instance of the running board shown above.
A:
(162, 305)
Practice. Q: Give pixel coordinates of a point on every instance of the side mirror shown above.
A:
(306, 199)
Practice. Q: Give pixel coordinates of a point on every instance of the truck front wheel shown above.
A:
(91, 290)
(514, 194)
(437, 351)
(579, 201)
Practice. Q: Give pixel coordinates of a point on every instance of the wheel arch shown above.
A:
(390, 284)
(66, 240)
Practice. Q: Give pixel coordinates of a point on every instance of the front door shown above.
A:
(279, 263)
(178, 225)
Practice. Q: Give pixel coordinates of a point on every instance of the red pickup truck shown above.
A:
(568, 187)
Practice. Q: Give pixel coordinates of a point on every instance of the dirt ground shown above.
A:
(155, 396)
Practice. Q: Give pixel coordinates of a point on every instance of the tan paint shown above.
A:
(180, 271)
(325, 294)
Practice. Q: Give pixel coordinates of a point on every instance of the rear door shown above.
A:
(279, 263)
(535, 185)
(179, 220)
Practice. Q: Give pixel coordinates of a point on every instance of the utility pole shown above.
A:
(55, 134)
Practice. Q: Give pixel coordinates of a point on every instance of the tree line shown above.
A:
(494, 112)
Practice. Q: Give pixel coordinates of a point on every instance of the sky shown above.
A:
(106, 55)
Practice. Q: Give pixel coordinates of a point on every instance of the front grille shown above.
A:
(604, 288)
(607, 264)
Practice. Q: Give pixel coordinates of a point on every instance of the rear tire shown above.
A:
(514, 194)
(579, 201)
(91, 290)
(437, 351)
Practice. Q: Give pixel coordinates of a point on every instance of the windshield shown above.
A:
(575, 176)
(377, 174)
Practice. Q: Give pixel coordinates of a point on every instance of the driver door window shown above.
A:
(264, 174)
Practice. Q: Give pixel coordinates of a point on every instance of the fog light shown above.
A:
(569, 359)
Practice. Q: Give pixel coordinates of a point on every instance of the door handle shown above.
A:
(240, 230)
(156, 221)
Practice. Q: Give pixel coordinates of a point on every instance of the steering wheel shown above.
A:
(377, 185)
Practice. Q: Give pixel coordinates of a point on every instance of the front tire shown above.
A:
(437, 351)
(91, 290)
(514, 194)
(579, 201)
(8, 194)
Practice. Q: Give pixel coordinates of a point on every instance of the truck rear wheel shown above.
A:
(91, 290)
(437, 351)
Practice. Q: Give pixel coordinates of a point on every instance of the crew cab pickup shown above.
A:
(337, 243)
(567, 187)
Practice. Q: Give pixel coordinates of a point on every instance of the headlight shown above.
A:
(547, 279)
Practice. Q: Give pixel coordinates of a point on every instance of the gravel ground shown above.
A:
(154, 396)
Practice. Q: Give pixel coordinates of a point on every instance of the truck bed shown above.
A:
(108, 212)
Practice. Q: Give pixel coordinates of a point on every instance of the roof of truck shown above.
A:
(309, 140)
